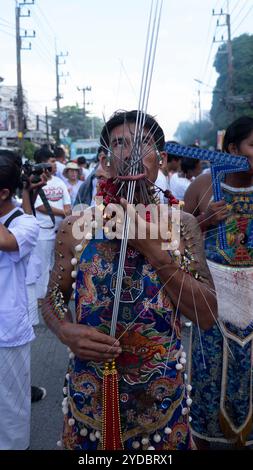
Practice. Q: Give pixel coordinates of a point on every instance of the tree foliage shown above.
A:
(189, 133)
(226, 106)
(77, 126)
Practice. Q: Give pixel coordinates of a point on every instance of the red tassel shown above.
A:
(111, 427)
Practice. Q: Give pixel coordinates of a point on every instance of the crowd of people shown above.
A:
(133, 387)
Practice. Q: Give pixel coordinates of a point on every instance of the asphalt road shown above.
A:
(49, 365)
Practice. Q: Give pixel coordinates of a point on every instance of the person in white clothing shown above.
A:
(18, 236)
(72, 172)
(59, 200)
(60, 157)
(179, 182)
(81, 162)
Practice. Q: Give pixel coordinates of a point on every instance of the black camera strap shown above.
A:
(47, 206)
(13, 216)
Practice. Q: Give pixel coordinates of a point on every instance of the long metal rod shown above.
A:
(140, 120)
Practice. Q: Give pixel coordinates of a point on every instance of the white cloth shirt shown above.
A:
(59, 171)
(85, 172)
(15, 326)
(162, 183)
(179, 185)
(73, 190)
(57, 195)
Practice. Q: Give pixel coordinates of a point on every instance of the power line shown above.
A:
(236, 5)
(7, 33)
(240, 11)
(243, 19)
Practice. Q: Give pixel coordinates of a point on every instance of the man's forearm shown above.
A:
(54, 323)
(194, 299)
(26, 203)
(55, 211)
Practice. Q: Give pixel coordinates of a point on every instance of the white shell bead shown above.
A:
(71, 422)
(189, 401)
(84, 432)
(73, 274)
(88, 236)
(151, 448)
(74, 261)
(179, 366)
(135, 445)
(177, 253)
(92, 437)
(168, 430)
(188, 388)
(157, 438)
(78, 247)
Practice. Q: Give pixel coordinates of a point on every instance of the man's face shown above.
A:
(52, 162)
(246, 148)
(122, 148)
(174, 165)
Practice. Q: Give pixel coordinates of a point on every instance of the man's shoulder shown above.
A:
(202, 183)
(57, 181)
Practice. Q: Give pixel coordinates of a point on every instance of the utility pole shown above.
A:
(58, 95)
(199, 99)
(84, 89)
(47, 127)
(20, 95)
(229, 52)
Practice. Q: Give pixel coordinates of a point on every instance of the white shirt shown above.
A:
(57, 195)
(59, 171)
(162, 183)
(73, 190)
(179, 185)
(15, 327)
(86, 172)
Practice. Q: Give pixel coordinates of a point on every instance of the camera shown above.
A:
(34, 170)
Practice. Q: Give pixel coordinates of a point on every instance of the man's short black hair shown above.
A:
(189, 164)
(122, 117)
(81, 161)
(170, 158)
(10, 171)
(59, 152)
(43, 154)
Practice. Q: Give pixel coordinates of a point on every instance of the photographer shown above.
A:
(18, 236)
(59, 200)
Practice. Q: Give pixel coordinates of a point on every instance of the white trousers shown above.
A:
(15, 397)
(45, 251)
(32, 304)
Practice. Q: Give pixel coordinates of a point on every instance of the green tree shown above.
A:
(29, 149)
(227, 107)
(79, 127)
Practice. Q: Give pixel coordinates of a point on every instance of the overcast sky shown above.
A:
(105, 40)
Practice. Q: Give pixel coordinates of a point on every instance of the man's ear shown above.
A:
(4, 194)
(164, 159)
